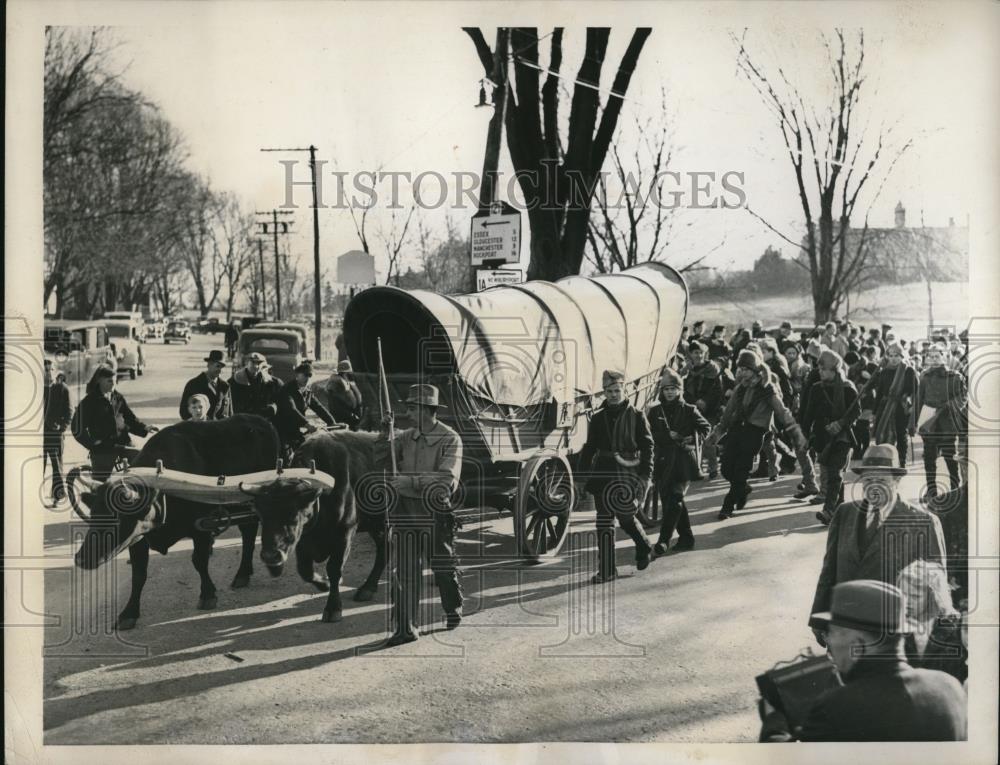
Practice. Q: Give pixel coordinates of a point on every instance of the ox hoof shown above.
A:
(321, 583)
(364, 595)
(207, 604)
(331, 617)
(241, 581)
(125, 623)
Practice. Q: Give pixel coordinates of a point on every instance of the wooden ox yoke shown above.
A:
(220, 490)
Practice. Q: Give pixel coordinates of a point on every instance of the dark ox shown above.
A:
(356, 503)
(129, 514)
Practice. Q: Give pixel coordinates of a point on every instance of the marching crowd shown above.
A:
(892, 589)
(892, 586)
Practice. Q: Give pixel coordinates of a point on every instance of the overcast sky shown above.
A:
(386, 85)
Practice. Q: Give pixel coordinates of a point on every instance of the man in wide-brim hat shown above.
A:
(429, 469)
(878, 535)
(883, 698)
(210, 384)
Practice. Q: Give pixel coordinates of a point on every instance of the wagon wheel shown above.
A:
(545, 496)
(651, 512)
(79, 480)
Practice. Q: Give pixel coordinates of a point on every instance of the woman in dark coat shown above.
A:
(676, 426)
(103, 423)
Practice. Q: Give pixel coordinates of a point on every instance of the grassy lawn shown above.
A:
(903, 306)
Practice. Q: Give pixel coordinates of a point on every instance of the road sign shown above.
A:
(496, 236)
(486, 278)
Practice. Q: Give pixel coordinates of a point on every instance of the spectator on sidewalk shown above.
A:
(883, 698)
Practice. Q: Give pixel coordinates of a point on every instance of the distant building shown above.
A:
(356, 268)
(904, 253)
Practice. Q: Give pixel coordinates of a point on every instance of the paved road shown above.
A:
(668, 654)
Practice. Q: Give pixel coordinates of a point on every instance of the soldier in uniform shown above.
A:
(718, 348)
(828, 424)
(705, 388)
(429, 462)
(616, 462)
(895, 390)
(944, 391)
(675, 426)
(769, 467)
(751, 410)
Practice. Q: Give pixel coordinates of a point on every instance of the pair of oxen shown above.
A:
(289, 513)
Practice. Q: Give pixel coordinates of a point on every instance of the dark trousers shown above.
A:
(942, 444)
(833, 463)
(742, 445)
(52, 453)
(863, 435)
(675, 512)
(415, 539)
(607, 510)
(102, 464)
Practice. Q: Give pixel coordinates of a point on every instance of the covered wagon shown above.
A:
(519, 369)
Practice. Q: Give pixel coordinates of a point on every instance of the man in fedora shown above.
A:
(879, 536)
(617, 463)
(883, 698)
(429, 468)
(210, 384)
(343, 395)
(294, 400)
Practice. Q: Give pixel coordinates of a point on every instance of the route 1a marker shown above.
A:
(496, 236)
(486, 278)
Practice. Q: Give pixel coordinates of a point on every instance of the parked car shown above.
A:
(281, 347)
(209, 326)
(301, 329)
(250, 321)
(127, 345)
(77, 348)
(155, 329)
(178, 331)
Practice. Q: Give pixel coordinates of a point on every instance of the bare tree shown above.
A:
(394, 235)
(631, 222)
(234, 226)
(444, 262)
(834, 158)
(199, 245)
(558, 177)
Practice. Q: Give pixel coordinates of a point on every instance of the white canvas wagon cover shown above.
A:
(524, 344)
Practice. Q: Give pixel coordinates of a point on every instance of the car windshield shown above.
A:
(119, 331)
(272, 344)
(57, 341)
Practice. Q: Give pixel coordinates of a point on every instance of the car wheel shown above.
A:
(131, 373)
(140, 371)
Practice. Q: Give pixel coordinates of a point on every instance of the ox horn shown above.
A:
(253, 490)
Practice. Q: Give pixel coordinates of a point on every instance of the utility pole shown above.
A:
(275, 224)
(494, 135)
(317, 287)
(263, 284)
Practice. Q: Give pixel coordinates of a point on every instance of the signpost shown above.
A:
(496, 236)
(486, 278)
